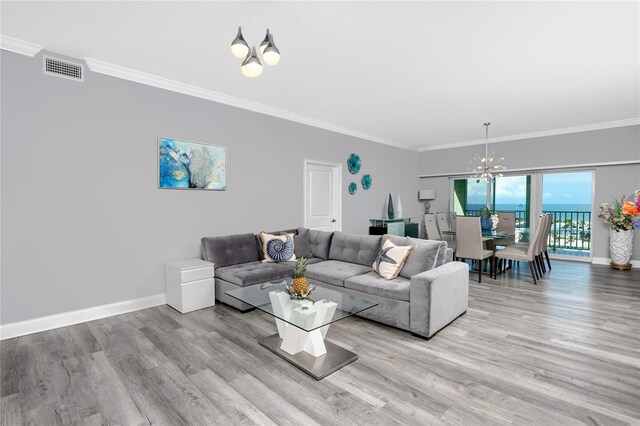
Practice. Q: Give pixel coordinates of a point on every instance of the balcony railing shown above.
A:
(569, 230)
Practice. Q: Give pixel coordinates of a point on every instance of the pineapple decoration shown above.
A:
(300, 287)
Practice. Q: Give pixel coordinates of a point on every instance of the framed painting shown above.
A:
(191, 165)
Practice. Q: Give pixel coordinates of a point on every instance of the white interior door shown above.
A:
(322, 197)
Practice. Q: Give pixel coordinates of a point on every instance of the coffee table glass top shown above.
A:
(307, 315)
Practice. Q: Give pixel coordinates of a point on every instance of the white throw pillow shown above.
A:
(277, 248)
(390, 259)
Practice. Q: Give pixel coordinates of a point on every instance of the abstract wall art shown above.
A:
(366, 182)
(354, 164)
(353, 188)
(191, 165)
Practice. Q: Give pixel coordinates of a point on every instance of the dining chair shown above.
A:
(430, 227)
(545, 225)
(516, 252)
(545, 242)
(541, 238)
(506, 225)
(452, 220)
(443, 222)
(469, 243)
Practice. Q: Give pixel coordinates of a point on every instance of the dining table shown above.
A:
(491, 237)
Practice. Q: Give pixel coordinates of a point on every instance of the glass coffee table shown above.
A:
(303, 324)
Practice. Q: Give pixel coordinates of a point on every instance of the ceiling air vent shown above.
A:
(64, 69)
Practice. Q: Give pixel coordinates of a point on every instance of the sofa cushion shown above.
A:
(301, 244)
(320, 242)
(448, 257)
(372, 283)
(390, 259)
(254, 272)
(335, 272)
(311, 261)
(277, 248)
(426, 255)
(230, 249)
(360, 249)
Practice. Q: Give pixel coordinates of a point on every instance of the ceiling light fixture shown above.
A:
(252, 65)
(271, 54)
(265, 42)
(239, 46)
(485, 167)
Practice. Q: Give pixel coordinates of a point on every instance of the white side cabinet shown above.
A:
(189, 285)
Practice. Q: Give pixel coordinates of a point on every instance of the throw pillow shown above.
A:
(301, 246)
(390, 259)
(277, 248)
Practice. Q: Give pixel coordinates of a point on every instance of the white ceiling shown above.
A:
(411, 74)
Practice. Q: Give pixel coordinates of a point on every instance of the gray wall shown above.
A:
(598, 146)
(83, 223)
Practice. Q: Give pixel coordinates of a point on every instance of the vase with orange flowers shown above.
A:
(623, 217)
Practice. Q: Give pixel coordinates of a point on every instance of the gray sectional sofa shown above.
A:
(430, 292)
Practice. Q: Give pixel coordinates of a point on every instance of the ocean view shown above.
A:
(545, 207)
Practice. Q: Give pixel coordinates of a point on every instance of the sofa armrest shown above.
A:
(437, 297)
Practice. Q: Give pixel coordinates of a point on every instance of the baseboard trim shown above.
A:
(607, 261)
(36, 325)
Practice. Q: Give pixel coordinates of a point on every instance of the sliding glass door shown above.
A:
(568, 197)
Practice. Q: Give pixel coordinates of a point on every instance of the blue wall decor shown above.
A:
(354, 164)
(366, 182)
(191, 165)
(353, 188)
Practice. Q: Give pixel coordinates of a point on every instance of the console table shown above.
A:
(403, 227)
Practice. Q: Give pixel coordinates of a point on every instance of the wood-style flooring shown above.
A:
(564, 352)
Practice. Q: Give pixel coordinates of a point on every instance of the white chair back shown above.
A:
(545, 240)
(443, 222)
(452, 220)
(506, 223)
(535, 243)
(431, 227)
(469, 237)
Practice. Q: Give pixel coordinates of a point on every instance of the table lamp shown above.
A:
(426, 195)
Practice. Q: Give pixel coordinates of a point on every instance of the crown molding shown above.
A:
(179, 87)
(19, 46)
(565, 130)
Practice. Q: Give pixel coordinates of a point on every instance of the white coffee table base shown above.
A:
(319, 367)
(306, 350)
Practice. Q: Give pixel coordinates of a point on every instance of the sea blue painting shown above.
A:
(366, 182)
(353, 188)
(354, 164)
(191, 165)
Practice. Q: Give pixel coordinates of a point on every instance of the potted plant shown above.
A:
(488, 219)
(622, 217)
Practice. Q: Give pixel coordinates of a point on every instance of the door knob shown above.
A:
(333, 221)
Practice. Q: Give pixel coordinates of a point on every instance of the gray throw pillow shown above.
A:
(426, 255)
(301, 243)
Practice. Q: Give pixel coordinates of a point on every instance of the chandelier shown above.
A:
(251, 64)
(486, 167)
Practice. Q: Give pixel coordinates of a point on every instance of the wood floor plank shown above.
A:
(564, 352)
(271, 403)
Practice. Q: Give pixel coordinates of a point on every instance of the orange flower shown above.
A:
(629, 208)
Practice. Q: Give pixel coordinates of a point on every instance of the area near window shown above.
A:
(566, 196)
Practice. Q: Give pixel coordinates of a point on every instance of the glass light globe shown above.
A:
(252, 67)
(239, 50)
(239, 46)
(271, 55)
